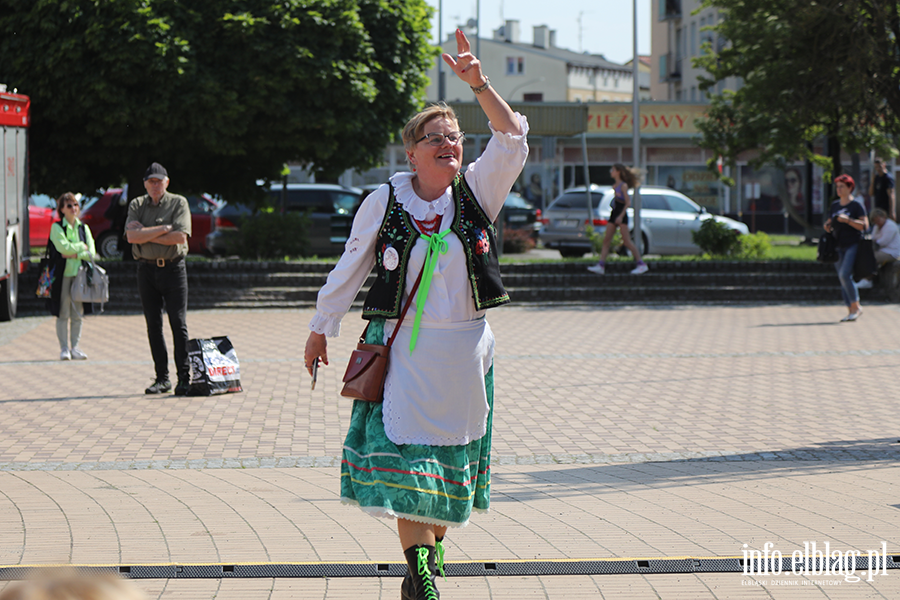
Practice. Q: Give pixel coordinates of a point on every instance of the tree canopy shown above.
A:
(808, 69)
(221, 92)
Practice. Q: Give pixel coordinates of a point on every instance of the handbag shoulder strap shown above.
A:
(412, 294)
(409, 299)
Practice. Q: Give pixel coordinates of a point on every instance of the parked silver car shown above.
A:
(667, 220)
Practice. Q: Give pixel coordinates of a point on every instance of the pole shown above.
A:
(636, 136)
(440, 59)
(478, 30)
(587, 181)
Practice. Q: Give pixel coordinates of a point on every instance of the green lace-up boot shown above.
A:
(419, 583)
(408, 588)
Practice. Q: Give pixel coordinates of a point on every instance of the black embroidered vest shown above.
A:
(470, 225)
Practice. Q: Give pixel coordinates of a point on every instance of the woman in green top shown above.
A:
(71, 242)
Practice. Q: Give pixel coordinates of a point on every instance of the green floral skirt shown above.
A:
(440, 485)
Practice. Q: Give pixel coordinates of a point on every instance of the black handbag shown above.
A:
(828, 251)
(865, 267)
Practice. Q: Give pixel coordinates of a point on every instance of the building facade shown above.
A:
(677, 33)
(536, 72)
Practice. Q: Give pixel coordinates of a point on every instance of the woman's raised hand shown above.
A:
(466, 66)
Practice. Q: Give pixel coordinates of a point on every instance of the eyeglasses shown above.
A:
(437, 139)
(71, 206)
(792, 180)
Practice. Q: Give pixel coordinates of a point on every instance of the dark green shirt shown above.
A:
(172, 210)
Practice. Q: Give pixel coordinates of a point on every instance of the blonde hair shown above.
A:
(73, 586)
(414, 127)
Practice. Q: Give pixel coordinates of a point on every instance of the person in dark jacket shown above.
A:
(70, 243)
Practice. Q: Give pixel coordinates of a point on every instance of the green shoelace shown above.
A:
(430, 592)
(439, 550)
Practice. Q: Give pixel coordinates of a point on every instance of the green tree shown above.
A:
(222, 92)
(828, 68)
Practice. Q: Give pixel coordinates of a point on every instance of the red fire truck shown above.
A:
(14, 250)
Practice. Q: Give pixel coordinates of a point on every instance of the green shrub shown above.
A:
(717, 239)
(755, 246)
(271, 235)
(517, 241)
(596, 239)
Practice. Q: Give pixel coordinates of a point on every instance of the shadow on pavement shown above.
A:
(70, 398)
(616, 477)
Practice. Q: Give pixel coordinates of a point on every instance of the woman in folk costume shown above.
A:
(423, 455)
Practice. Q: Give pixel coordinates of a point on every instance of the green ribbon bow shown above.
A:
(436, 245)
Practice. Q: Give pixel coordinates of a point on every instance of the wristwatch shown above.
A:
(482, 87)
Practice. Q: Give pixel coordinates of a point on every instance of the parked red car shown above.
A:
(95, 212)
(41, 216)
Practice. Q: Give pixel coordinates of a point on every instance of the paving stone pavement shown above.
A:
(619, 432)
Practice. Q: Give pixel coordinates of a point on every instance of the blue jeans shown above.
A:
(844, 266)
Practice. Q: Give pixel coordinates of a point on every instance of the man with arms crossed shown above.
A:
(158, 227)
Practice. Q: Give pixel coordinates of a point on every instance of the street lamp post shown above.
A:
(478, 29)
(440, 59)
(636, 134)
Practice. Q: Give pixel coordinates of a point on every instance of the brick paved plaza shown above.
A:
(620, 433)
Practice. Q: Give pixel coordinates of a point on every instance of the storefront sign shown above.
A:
(614, 118)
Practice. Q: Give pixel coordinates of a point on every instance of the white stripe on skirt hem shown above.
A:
(385, 513)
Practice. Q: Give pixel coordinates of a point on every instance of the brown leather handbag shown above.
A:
(364, 377)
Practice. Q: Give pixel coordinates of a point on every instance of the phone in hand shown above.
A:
(315, 373)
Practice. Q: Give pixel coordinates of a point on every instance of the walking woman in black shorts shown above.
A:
(626, 179)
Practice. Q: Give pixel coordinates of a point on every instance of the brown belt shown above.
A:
(161, 262)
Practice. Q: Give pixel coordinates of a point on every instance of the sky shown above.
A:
(606, 25)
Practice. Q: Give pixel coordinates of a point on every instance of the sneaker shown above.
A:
(159, 387)
(864, 284)
(640, 269)
(852, 317)
(64, 354)
(182, 388)
(599, 269)
(77, 354)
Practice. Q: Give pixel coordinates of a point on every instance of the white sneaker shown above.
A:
(598, 269)
(77, 354)
(864, 284)
(640, 269)
(64, 354)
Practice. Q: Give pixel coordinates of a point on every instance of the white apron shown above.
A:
(436, 396)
